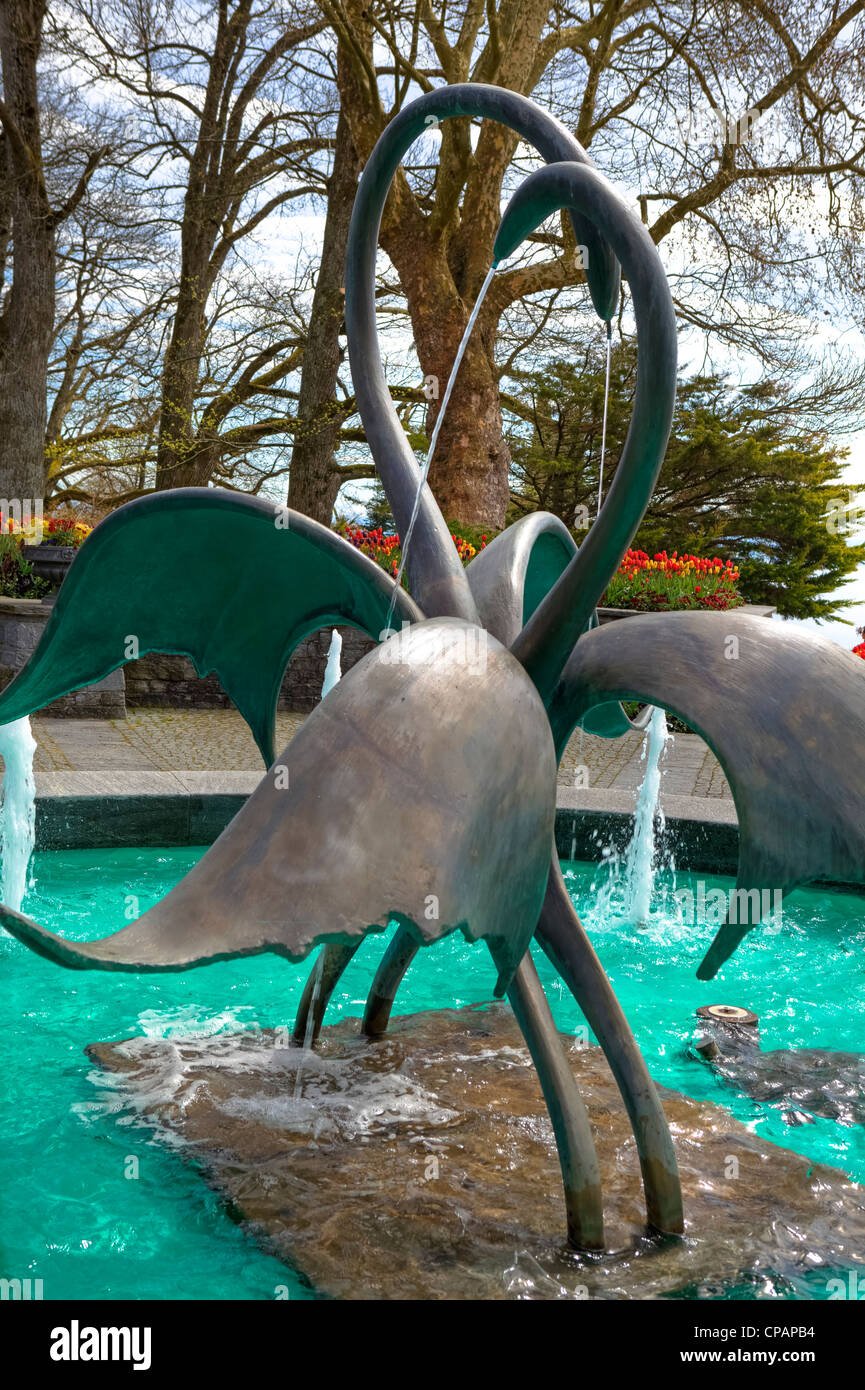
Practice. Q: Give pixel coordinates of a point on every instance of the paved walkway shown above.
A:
(218, 741)
(154, 740)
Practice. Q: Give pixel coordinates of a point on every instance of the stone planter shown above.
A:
(50, 562)
(756, 610)
(609, 615)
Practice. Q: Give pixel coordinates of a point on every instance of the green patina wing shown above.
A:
(511, 576)
(232, 582)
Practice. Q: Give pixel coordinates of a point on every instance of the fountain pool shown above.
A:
(78, 1218)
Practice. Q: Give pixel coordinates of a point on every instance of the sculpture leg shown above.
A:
(579, 1162)
(401, 951)
(562, 936)
(580, 1175)
(334, 961)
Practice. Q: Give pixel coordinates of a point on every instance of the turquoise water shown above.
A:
(74, 1218)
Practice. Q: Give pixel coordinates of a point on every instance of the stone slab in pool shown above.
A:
(422, 1166)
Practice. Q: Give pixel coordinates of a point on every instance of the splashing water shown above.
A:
(333, 670)
(640, 856)
(18, 809)
(184, 1230)
(627, 894)
(435, 434)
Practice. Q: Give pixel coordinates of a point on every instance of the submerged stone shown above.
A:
(423, 1166)
(801, 1082)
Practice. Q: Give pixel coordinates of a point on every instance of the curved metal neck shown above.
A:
(438, 581)
(549, 636)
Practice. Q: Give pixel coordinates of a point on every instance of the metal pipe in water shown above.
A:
(309, 1036)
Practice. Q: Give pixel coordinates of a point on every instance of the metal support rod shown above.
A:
(401, 951)
(562, 936)
(334, 961)
(579, 1163)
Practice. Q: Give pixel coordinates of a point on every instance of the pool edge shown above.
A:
(104, 810)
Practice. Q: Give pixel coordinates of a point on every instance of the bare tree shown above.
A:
(104, 369)
(220, 92)
(29, 220)
(315, 477)
(187, 350)
(678, 100)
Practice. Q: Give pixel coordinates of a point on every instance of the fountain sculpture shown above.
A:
(422, 789)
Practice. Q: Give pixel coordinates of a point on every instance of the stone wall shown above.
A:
(170, 681)
(161, 681)
(22, 621)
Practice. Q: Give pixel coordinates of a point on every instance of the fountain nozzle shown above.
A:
(732, 1029)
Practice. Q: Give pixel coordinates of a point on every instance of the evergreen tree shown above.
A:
(746, 477)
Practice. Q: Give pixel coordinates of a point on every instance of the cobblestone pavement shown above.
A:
(162, 740)
(219, 741)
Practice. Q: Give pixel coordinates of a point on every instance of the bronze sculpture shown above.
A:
(423, 790)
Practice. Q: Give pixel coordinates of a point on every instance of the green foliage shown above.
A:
(17, 579)
(675, 725)
(378, 512)
(471, 538)
(743, 478)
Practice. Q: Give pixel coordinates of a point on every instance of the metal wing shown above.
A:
(510, 577)
(421, 789)
(233, 582)
(784, 712)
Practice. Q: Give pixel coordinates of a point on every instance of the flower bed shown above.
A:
(672, 581)
(62, 530)
(384, 547)
(20, 545)
(640, 583)
(55, 530)
(17, 579)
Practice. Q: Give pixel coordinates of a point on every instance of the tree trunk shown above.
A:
(440, 273)
(314, 475)
(27, 321)
(178, 462)
(469, 470)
